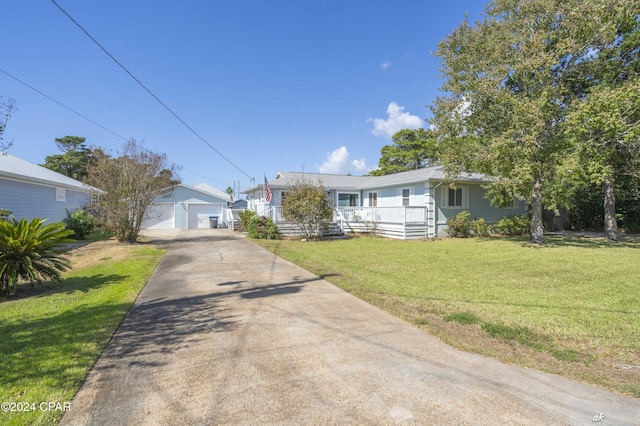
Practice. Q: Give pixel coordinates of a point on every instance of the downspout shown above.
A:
(435, 219)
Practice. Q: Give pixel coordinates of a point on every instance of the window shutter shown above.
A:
(465, 197)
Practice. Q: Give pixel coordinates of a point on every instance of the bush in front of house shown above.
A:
(81, 223)
(459, 225)
(480, 228)
(245, 218)
(513, 225)
(31, 251)
(262, 227)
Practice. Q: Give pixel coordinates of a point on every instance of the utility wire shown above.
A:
(91, 121)
(149, 91)
(63, 105)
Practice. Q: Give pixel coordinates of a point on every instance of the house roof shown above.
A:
(15, 168)
(330, 181)
(205, 187)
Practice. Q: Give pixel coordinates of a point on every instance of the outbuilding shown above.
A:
(199, 206)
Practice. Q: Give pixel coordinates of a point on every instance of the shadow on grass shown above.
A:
(53, 348)
(587, 242)
(566, 241)
(67, 285)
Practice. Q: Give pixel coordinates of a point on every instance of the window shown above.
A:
(455, 198)
(373, 199)
(406, 197)
(348, 200)
(61, 194)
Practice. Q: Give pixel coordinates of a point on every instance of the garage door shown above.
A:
(160, 216)
(199, 214)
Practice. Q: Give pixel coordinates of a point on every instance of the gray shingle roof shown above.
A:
(12, 167)
(330, 181)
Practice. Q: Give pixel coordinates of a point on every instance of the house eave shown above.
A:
(44, 182)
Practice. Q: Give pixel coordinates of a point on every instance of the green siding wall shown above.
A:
(478, 207)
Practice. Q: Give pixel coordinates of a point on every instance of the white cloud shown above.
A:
(385, 65)
(396, 120)
(339, 162)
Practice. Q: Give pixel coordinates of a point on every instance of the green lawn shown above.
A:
(50, 340)
(571, 307)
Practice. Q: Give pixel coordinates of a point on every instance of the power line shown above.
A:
(149, 91)
(90, 120)
(63, 105)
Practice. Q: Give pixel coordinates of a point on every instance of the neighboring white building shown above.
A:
(189, 207)
(31, 191)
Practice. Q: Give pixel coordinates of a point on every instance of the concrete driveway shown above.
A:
(227, 333)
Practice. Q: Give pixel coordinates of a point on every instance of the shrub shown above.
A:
(31, 251)
(459, 225)
(262, 227)
(480, 228)
(81, 223)
(308, 206)
(4, 214)
(513, 225)
(245, 218)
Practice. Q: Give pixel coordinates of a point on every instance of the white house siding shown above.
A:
(29, 201)
(191, 208)
(199, 215)
(160, 216)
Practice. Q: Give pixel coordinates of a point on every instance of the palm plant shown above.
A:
(31, 251)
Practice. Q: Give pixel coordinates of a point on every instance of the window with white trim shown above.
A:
(455, 198)
(405, 196)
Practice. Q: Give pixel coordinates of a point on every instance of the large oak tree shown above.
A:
(509, 83)
(604, 124)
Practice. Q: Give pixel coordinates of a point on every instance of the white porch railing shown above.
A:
(233, 218)
(414, 215)
(396, 222)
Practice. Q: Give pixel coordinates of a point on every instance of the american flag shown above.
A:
(267, 191)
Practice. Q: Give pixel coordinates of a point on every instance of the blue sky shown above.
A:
(272, 85)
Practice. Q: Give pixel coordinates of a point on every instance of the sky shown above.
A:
(263, 86)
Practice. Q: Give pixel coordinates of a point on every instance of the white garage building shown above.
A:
(189, 207)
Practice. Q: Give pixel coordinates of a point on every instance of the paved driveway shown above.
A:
(228, 333)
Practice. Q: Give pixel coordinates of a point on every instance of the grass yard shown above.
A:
(571, 307)
(51, 336)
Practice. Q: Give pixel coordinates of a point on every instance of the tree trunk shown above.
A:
(610, 224)
(537, 230)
